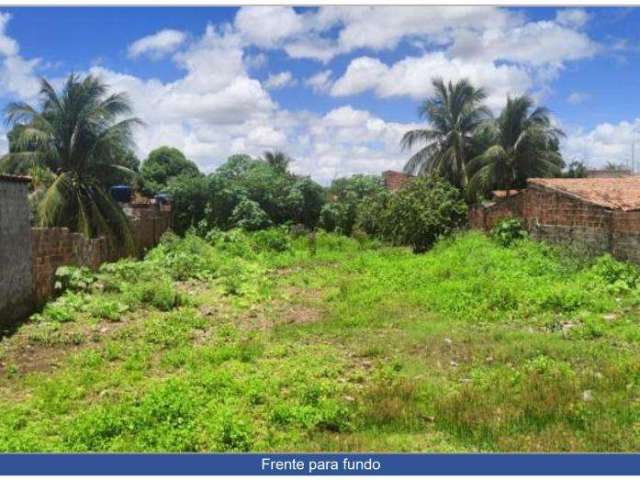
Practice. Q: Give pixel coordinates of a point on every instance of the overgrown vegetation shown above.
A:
(268, 341)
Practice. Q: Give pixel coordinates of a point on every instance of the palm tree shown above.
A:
(278, 160)
(82, 131)
(524, 145)
(454, 113)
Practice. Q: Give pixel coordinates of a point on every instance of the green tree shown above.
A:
(524, 145)
(277, 160)
(82, 129)
(616, 167)
(345, 196)
(422, 212)
(249, 216)
(454, 113)
(161, 166)
(576, 169)
(189, 198)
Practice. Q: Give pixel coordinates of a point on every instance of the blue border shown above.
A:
(252, 464)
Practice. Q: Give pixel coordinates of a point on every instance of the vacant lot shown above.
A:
(266, 343)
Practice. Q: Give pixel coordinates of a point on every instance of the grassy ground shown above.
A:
(336, 345)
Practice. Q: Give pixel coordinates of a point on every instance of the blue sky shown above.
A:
(335, 87)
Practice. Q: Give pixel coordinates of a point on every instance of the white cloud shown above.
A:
(256, 62)
(157, 45)
(576, 98)
(280, 80)
(268, 26)
(320, 82)
(534, 43)
(605, 143)
(347, 141)
(411, 77)
(572, 17)
(8, 46)
(17, 75)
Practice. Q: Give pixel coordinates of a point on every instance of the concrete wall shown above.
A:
(559, 218)
(15, 251)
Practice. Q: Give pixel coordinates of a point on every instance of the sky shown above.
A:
(334, 87)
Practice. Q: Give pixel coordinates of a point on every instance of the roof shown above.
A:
(15, 178)
(395, 180)
(615, 193)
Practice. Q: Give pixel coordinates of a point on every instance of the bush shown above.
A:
(619, 276)
(371, 212)
(249, 216)
(185, 258)
(329, 215)
(422, 212)
(75, 279)
(508, 231)
(274, 239)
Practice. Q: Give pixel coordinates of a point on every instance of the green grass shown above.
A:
(265, 344)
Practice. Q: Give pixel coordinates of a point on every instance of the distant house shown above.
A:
(394, 181)
(600, 214)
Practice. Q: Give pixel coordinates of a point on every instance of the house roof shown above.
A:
(615, 193)
(15, 178)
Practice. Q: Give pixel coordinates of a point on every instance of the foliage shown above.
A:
(346, 196)
(454, 112)
(523, 143)
(76, 279)
(279, 161)
(249, 216)
(272, 240)
(469, 347)
(189, 198)
(371, 214)
(82, 129)
(282, 196)
(575, 170)
(422, 212)
(619, 276)
(508, 231)
(163, 165)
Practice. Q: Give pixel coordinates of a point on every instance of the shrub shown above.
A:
(508, 231)
(234, 242)
(329, 217)
(185, 258)
(371, 213)
(422, 212)
(249, 216)
(76, 279)
(619, 276)
(274, 239)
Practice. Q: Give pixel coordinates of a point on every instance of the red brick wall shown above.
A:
(560, 218)
(485, 218)
(55, 247)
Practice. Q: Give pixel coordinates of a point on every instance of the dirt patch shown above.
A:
(27, 351)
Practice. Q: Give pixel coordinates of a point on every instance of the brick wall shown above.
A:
(485, 217)
(55, 247)
(559, 218)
